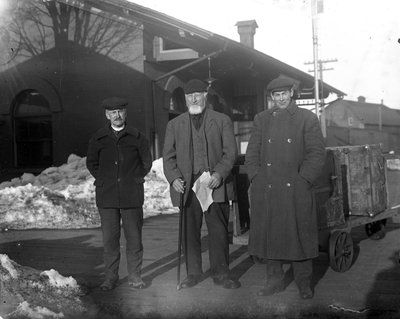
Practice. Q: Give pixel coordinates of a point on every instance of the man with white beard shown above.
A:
(198, 141)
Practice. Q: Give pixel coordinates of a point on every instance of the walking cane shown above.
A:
(181, 217)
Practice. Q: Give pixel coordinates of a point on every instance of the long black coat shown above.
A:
(119, 166)
(284, 157)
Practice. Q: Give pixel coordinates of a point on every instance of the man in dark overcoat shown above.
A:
(285, 155)
(119, 158)
(202, 140)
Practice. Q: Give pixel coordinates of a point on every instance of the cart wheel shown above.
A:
(340, 251)
(376, 230)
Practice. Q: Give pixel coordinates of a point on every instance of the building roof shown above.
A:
(227, 54)
(368, 113)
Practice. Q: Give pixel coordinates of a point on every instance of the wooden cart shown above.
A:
(352, 191)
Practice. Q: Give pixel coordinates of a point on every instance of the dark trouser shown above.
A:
(217, 218)
(132, 222)
(302, 271)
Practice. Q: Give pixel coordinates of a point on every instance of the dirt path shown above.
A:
(369, 289)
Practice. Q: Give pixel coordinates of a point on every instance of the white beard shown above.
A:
(195, 109)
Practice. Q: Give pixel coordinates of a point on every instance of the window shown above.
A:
(32, 130)
(350, 121)
(177, 101)
(164, 50)
(244, 108)
(177, 104)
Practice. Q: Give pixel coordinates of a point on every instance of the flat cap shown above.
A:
(279, 84)
(114, 103)
(195, 85)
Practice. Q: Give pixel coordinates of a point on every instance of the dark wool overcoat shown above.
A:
(285, 155)
(221, 152)
(119, 165)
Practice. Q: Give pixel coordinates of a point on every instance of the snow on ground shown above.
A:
(38, 295)
(59, 198)
(24, 310)
(393, 164)
(63, 197)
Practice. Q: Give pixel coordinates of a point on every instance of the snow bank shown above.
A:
(25, 310)
(44, 294)
(6, 263)
(393, 164)
(64, 197)
(58, 280)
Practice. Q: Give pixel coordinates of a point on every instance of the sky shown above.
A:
(362, 35)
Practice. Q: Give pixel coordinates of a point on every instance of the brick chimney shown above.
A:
(247, 30)
(361, 99)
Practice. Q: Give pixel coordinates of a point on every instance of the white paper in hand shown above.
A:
(202, 191)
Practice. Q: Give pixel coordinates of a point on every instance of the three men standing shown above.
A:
(285, 155)
(202, 140)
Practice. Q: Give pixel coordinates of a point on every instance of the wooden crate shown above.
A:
(353, 183)
(364, 179)
(329, 193)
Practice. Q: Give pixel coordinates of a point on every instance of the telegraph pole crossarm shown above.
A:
(321, 103)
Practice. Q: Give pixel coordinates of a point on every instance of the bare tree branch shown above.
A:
(41, 25)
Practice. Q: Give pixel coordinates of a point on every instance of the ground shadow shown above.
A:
(383, 299)
(167, 263)
(72, 256)
(358, 234)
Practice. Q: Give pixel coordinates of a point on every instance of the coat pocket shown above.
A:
(303, 193)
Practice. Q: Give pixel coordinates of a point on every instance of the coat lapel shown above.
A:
(186, 135)
(208, 122)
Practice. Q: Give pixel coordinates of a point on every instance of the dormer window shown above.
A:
(165, 50)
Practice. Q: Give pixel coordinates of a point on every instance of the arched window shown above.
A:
(32, 130)
(177, 104)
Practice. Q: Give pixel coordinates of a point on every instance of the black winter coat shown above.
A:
(284, 157)
(119, 165)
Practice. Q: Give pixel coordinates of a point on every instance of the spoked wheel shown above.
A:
(376, 230)
(340, 251)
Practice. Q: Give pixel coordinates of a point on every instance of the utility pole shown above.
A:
(321, 101)
(314, 15)
(380, 115)
(317, 7)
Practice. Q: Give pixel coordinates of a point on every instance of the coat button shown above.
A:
(118, 180)
(269, 164)
(289, 140)
(116, 163)
(269, 186)
(288, 184)
(270, 140)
